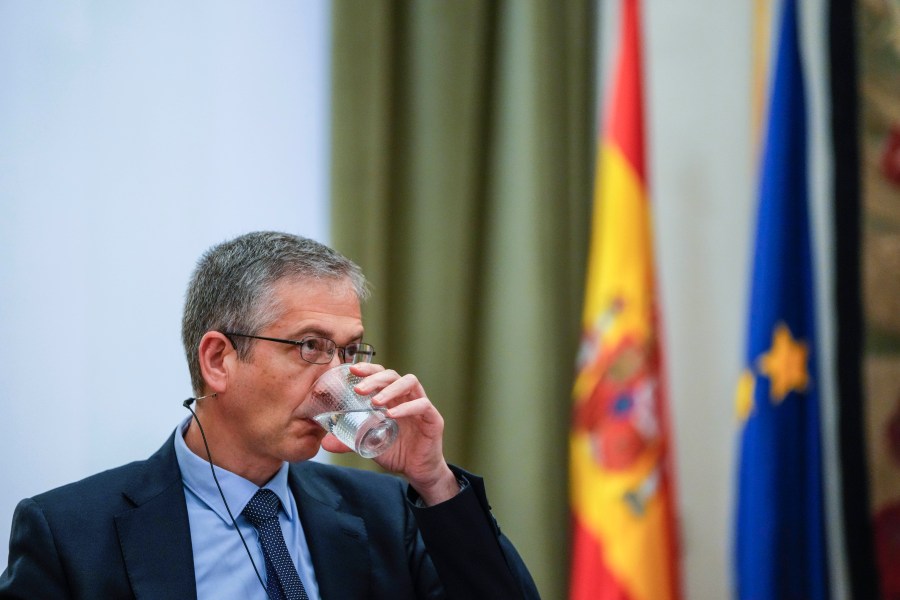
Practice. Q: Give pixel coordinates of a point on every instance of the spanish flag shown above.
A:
(780, 537)
(622, 492)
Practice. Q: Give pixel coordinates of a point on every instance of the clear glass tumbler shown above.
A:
(334, 405)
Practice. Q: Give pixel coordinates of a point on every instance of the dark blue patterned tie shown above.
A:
(282, 581)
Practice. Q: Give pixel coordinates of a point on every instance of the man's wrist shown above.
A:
(461, 482)
(446, 487)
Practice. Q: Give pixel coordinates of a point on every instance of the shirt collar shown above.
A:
(196, 476)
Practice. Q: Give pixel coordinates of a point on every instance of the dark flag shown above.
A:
(780, 540)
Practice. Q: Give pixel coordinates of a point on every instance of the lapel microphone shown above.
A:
(187, 404)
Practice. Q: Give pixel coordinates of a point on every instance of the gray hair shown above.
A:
(232, 287)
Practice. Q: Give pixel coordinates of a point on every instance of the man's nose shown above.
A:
(336, 358)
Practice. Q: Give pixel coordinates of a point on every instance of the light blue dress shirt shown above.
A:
(222, 568)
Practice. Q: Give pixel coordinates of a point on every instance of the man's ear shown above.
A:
(215, 353)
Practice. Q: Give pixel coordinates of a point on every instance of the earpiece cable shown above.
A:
(187, 404)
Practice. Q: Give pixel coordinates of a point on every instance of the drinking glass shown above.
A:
(334, 405)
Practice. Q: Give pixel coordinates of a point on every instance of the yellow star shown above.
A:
(743, 401)
(785, 364)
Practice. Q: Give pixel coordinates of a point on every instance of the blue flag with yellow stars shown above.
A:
(780, 542)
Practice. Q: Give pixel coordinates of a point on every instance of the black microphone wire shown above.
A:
(187, 404)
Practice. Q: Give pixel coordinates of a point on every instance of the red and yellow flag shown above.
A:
(622, 492)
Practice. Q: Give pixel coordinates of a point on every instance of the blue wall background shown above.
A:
(134, 135)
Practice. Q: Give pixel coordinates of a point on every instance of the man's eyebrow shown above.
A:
(311, 330)
(316, 331)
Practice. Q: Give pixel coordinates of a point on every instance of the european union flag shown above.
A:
(780, 548)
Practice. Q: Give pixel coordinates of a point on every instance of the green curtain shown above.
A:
(462, 161)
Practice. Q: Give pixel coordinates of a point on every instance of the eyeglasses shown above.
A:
(319, 350)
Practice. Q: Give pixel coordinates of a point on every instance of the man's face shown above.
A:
(266, 391)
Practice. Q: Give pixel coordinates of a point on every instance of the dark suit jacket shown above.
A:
(124, 533)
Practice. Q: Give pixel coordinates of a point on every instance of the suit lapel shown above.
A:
(155, 534)
(337, 540)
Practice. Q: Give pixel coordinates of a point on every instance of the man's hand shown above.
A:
(418, 453)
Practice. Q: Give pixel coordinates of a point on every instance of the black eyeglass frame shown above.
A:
(367, 350)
